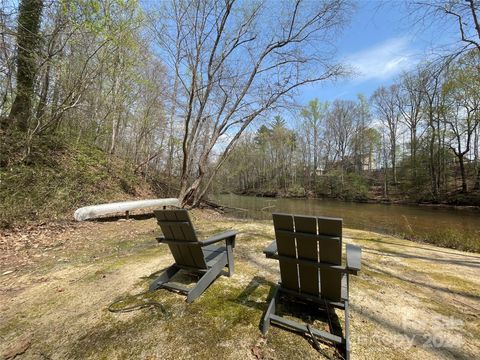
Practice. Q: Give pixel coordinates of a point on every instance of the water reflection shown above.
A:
(433, 223)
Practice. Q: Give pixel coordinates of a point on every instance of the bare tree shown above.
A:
(461, 111)
(313, 115)
(459, 15)
(342, 122)
(385, 102)
(361, 145)
(7, 59)
(238, 61)
(410, 104)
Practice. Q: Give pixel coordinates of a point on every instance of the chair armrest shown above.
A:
(354, 258)
(230, 234)
(271, 249)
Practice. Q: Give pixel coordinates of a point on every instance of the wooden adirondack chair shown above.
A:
(202, 257)
(309, 250)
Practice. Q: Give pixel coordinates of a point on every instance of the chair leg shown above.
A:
(164, 278)
(347, 332)
(270, 310)
(231, 266)
(207, 279)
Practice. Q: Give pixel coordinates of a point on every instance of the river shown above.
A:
(447, 226)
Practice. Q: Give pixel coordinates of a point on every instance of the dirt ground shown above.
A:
(410, 301)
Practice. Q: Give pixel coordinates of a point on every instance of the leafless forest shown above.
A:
(194, 94)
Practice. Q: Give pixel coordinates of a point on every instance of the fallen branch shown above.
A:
(220, 207)
(267, 207)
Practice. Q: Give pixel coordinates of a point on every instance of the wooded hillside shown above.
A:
(416, 140)
(159, 84)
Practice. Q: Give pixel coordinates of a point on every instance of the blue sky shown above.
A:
(379, 43)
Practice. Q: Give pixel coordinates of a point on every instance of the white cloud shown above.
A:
(383, 61)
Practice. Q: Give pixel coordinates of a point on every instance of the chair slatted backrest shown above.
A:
(330, 249)
(309, 238)
(176, 225)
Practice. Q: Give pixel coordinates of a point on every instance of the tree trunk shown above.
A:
(477, 181)
(43, 96)
(315, 159)
(462, 173)
(189, 197)
(394, 162)
(476, 149)
(171, 140)
(413, 151)
(113, 140)
(433, 170)
(385, 183)
(29, 19)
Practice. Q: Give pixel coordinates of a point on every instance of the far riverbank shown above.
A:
(458, 200)
(447, 226)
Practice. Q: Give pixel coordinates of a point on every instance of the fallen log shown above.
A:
(267, 207)
(94, 211)
(220, 207)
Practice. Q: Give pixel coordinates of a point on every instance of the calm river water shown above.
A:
(424, 222)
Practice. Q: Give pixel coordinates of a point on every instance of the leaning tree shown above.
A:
(235, 61)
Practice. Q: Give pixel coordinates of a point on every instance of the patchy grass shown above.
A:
(449, 238)
(409, 301)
